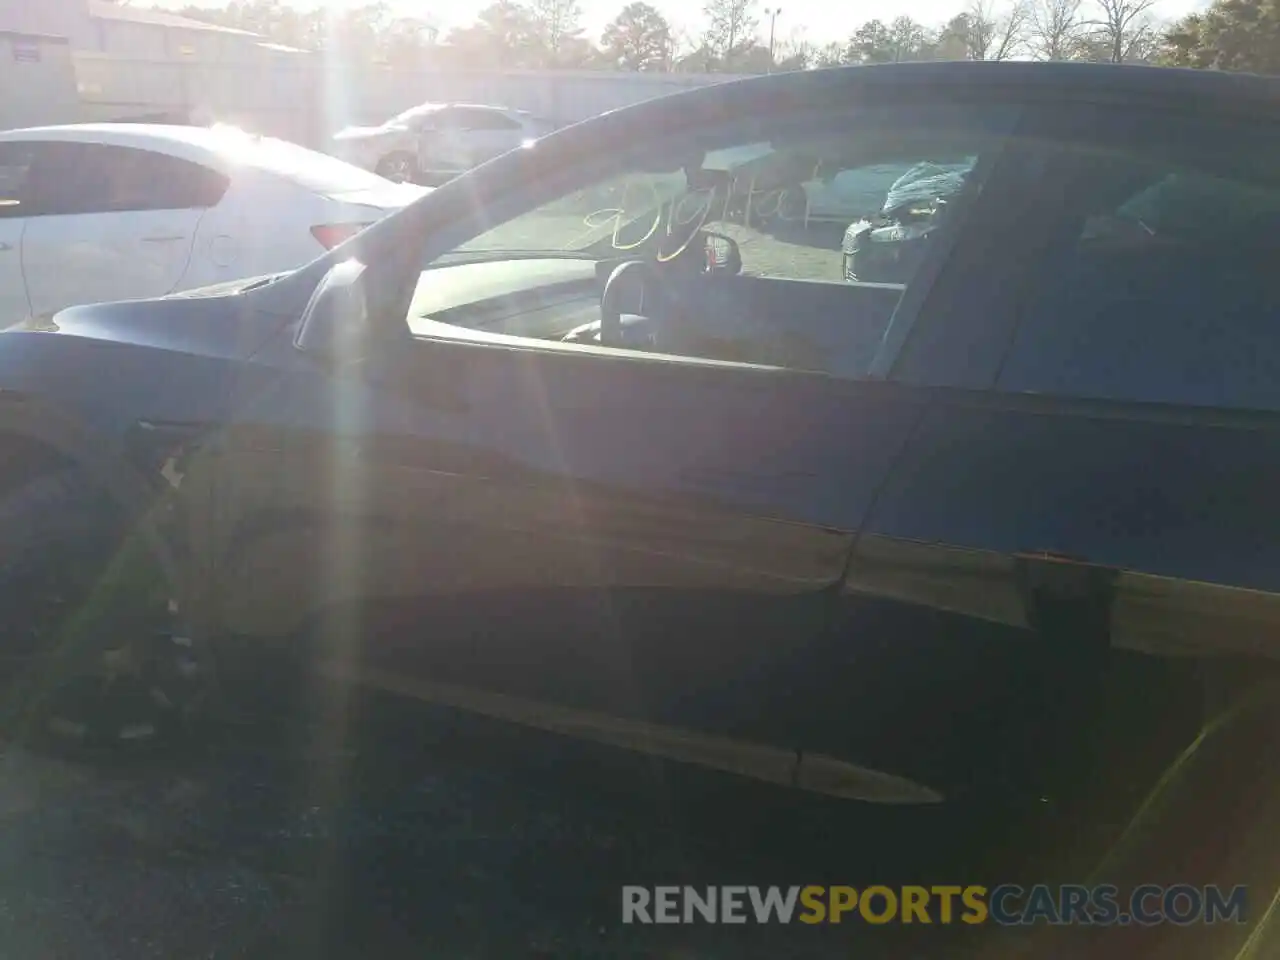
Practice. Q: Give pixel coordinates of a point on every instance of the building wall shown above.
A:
(303, 99)
(53, 18)
(154, 42)
(42, 69)
(140, 41)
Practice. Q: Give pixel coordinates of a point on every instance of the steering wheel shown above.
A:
(627, 284)
(637, 309)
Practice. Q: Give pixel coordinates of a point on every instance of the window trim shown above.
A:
(915, 319)
(1003, 117)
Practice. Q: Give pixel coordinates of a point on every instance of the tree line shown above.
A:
(549, 34)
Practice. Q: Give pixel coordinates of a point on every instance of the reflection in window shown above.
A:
(791, 251)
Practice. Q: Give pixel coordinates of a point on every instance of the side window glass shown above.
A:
(98, 178)
(781, 244)
(154, 181)
(482, 120)
(420, 119)
(494, 120)
(15, 167)
(1162, 286)
(65, 182)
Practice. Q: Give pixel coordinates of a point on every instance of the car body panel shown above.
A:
(13, 291)
(98, 257)
(627, 568)
(234, 240)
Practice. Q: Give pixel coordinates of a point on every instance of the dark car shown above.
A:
(560, 444)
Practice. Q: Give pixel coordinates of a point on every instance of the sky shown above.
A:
(817, 20)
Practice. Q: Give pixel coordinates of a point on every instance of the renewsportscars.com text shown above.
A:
(1006, 905)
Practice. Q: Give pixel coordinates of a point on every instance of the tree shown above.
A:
(796, 52)
(1122, 31)
(1055, 29)
(504, 34)
(406, 41)
(909, 40)
(752, 58)
(367, 32)
(357, 33)
(558, 24)
(639, 38)
(870, 43)
(876, 42)
(831, 55)
(731, 28)
(1230, 35)
(952, 41)
(995, 35)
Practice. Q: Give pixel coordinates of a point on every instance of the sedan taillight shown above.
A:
(332, 234)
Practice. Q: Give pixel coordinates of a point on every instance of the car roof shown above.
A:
(1108, 82)
(209, 146)
(431, 106)
(1230, 97)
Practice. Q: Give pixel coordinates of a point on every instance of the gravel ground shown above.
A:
(394, 829)
(408, 831)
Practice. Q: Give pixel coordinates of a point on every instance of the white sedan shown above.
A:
(99, 212)
(439, 139)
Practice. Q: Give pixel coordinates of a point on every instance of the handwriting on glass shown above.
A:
(643, 213)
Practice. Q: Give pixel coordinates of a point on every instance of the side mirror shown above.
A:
(723, 255)
(335, 324)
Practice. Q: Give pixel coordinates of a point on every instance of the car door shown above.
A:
(1114, 487)
(635, 544)
(115, 223)
(15, 166)
(487, 132)
(442, 143)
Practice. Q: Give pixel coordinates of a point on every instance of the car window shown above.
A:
(15, 166)
(1161, 285)
(750, 258)
(82, 178)
(466, 118)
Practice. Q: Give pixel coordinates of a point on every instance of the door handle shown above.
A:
(166, 238)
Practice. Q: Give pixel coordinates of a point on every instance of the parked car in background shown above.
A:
(119, 211)
(438, 139)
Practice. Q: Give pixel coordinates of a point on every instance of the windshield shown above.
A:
(317, 172)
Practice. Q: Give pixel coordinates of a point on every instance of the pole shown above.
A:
(772, 14)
